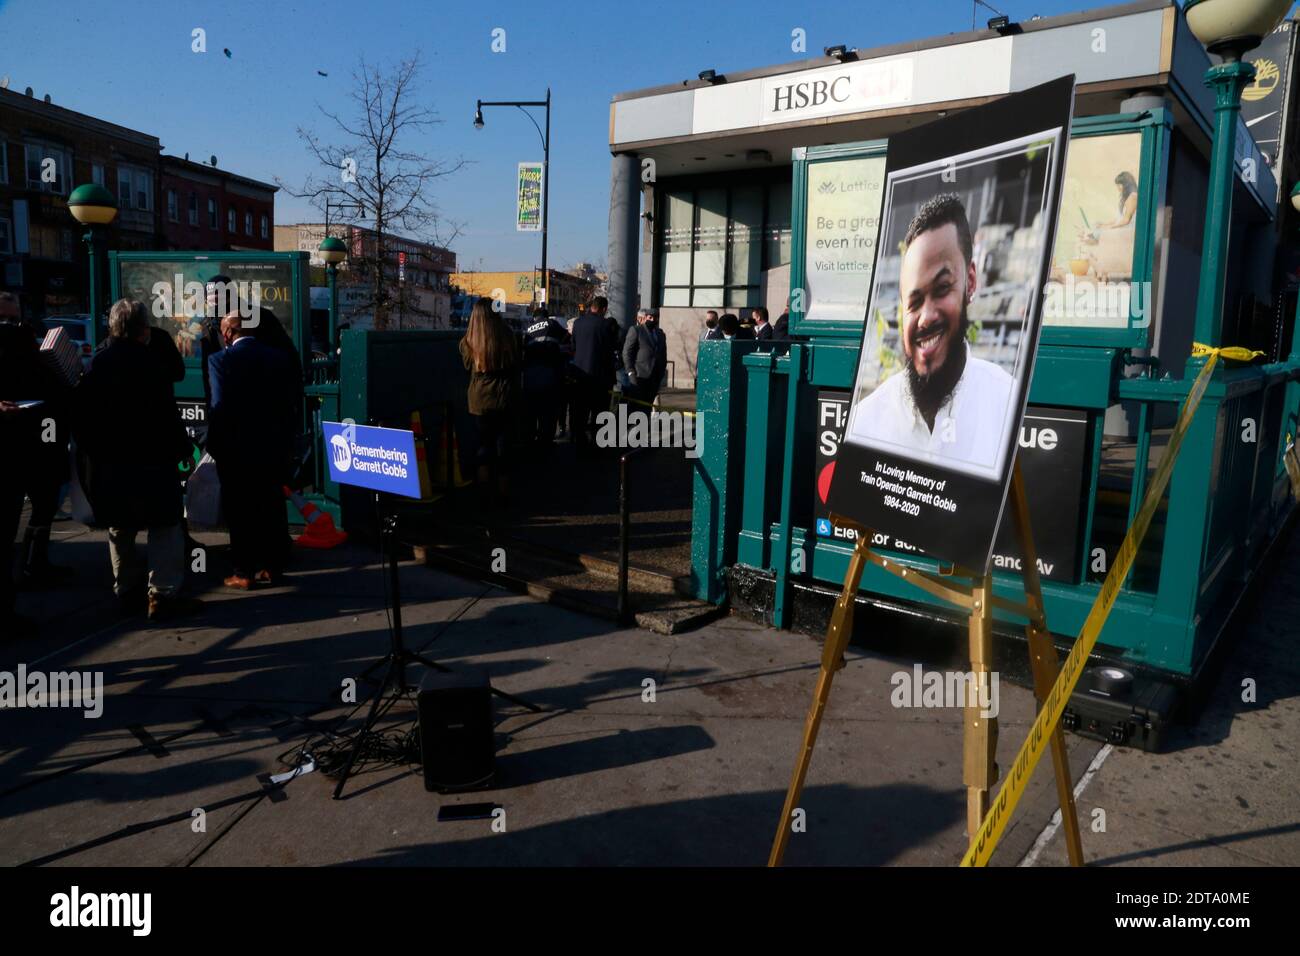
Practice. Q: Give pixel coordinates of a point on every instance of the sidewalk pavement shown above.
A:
(608, 774)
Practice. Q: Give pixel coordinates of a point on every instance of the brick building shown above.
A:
(203, 207)
(46, 151)
(569, 293)
(421, 299)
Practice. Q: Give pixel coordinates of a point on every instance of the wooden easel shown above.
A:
(980, 735)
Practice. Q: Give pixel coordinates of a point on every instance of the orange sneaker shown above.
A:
(238, 582)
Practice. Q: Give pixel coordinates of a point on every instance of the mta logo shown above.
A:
(341, 452)
(824, 527)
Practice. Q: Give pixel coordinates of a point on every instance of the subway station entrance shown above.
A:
(756, 199)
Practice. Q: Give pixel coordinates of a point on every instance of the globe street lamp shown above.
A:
(333, 251)
(93, 206)
(546, 165)
(1230, 29)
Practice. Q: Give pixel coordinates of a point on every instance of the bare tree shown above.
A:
(377, 173)
(590, 272)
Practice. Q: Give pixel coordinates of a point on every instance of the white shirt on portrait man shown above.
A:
(969, 427)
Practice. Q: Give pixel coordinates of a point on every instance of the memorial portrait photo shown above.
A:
(950, 333)
(957, 281)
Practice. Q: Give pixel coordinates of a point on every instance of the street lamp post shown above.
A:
(546, 165)
(93, 206)
(333, 251)
(1229, 28)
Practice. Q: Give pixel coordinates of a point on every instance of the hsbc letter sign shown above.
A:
(853, 88)
(795, 96)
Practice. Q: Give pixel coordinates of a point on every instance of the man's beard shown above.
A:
(929, 392)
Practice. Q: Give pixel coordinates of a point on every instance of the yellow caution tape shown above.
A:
(999, 813)
(661, 408)
(1234, 352)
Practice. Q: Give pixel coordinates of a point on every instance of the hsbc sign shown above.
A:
(852, 88)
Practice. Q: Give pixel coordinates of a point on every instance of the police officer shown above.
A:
(546, 352)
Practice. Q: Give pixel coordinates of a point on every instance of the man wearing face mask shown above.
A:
(947, 403)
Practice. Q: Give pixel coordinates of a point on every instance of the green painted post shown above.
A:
(794, 370)
(719, 424)
(95, 305)
(752, 547)
(333, 334)
(1228, 80)
(1186, 528)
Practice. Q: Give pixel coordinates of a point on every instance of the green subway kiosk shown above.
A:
(763, 188)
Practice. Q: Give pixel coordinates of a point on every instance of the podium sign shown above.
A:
(381, 459)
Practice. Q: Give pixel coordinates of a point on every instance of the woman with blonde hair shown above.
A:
(491, 355)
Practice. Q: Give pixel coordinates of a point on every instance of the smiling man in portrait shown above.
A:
(947, 403)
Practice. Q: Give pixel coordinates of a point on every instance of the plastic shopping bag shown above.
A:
(203, 496)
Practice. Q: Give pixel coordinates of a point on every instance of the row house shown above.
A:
(47, 150)
(207, 208)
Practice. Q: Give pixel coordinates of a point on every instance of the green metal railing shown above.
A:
(1227, 499)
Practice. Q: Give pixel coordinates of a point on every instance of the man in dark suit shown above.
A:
(221, 297)
(250, 435)
(762, 328)
(593, 362)
(645, 356)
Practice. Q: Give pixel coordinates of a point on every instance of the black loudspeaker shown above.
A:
(457, 745)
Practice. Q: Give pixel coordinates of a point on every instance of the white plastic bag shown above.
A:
(203, 496)
(77, 500)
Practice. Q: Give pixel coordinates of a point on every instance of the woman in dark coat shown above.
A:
(130, 429)
(492, 357)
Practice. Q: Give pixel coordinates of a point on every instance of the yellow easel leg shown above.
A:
(837, 639)
(980, 739)
(1045, 664)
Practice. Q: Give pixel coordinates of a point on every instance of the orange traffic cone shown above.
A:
(320, 532)
(417, 429)
(449, 437)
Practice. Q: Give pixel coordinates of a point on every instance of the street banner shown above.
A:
(528, 198)
(951, 331)
(381, 459)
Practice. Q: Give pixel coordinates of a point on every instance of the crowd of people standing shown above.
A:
(131, 444)
(553, 379)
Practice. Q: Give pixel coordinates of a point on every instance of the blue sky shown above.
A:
(130, 62)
